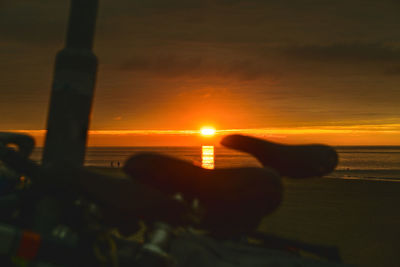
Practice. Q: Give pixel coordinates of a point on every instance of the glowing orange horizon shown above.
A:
(371, 134)
(352, 129)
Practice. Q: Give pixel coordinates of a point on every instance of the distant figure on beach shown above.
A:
(118, 164)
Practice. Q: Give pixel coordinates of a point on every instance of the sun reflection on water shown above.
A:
(207, 157)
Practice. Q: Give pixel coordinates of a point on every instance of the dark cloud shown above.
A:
(33, 22)
(330, 54)
(349, 53)
(174, 66)
(165, 65)
(164, 5)
(393, 71)
(222, 21)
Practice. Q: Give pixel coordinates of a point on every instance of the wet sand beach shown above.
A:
(361, 217)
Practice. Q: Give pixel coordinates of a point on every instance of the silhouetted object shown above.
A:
(70, 104)
(17, 159)
(235, 199)
(73, 86)
(24, 143)
(296, 161)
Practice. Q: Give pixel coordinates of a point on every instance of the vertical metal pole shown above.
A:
(72, 90)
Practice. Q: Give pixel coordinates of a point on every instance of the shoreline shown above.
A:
(118, 170)
(395, 180)
(358, 216)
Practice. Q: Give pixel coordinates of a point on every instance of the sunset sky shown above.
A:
(291, 71)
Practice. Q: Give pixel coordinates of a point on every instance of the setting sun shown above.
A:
(207, 131)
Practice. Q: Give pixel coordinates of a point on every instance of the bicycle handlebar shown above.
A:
(296, 161)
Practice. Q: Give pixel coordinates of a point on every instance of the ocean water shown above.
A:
(376, 163)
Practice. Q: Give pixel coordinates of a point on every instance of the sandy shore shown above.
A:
(361, 217)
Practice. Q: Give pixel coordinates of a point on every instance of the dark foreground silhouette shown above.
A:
(227, 203)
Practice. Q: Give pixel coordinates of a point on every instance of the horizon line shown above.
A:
(369, 128)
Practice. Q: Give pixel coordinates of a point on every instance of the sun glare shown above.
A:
(207, 131)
